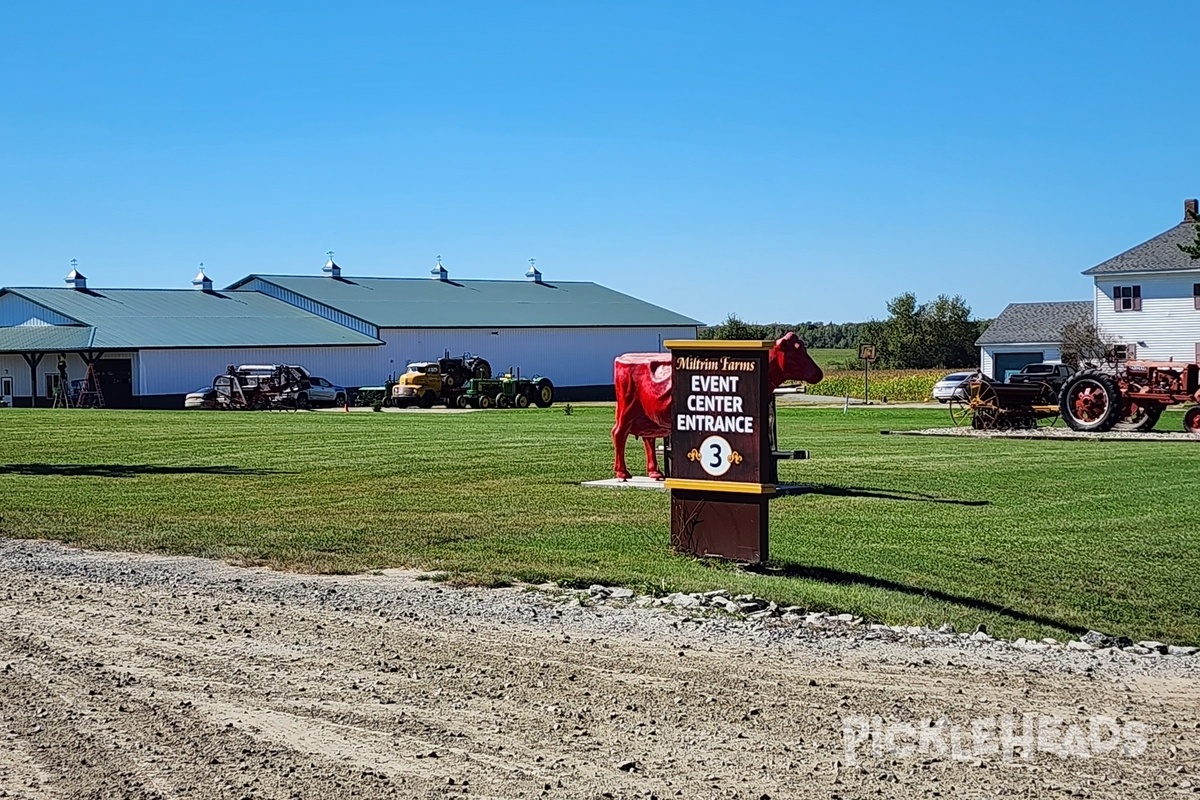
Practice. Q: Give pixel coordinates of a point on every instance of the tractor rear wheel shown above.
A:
(1191, 420)
(543, 393)
(1091, 402)
(1140, 418)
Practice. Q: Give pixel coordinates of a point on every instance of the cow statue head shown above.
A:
(790, 361)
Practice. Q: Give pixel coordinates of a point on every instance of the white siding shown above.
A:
(567, 356)
(16, 310)
(1168, 326)
(183, 371)
(311, 306)
(15, 366)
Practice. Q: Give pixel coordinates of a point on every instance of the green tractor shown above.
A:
(508, 391)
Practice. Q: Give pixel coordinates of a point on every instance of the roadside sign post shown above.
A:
(722, 460)
(867, 353)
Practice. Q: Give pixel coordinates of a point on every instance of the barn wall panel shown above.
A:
(16, 310)
(182, 371)
(568, 356)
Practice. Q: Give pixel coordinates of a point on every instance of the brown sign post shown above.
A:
(722, 467)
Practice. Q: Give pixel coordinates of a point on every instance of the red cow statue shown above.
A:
(643, 384)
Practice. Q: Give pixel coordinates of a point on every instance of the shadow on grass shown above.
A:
(879, 494)
(790, 569)
(127, 470)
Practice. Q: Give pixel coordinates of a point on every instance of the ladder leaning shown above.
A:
(90, 395)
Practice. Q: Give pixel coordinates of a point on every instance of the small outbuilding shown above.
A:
(1028, 333)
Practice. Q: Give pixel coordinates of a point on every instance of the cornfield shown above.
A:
(898, 385)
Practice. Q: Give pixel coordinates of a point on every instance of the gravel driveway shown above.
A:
(130, 676)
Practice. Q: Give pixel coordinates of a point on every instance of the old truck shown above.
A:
(428, 383)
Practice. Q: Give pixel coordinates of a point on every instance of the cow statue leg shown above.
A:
(619, 435)
(652, 459)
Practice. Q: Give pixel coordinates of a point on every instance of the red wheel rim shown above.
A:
(1191, 420)
(1089, 401)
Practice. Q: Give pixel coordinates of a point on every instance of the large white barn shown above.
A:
(151, 346)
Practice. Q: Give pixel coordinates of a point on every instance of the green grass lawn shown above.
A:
(1031, 538)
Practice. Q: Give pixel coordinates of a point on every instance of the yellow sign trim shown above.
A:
(719, 344)
(720, 486)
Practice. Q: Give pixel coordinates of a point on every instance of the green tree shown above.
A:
(1192, 249)
(921, 336)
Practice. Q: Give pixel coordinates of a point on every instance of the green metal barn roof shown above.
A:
(43, 338)
(172, 318)
(431, 303)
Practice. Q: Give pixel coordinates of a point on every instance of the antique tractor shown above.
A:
(1132, 398)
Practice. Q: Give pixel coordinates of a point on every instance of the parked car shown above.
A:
(946, 389)
(1053, 374)
(323, 393)
(204, 397)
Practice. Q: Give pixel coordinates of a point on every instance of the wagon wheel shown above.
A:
(975, 404)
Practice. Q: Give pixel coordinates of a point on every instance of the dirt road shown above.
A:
(149, 677)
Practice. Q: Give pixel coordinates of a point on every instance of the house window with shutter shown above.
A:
(1196, 295)
(1127, 298)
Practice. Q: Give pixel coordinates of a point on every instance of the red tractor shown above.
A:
(1132, 398)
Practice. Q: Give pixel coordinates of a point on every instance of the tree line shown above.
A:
(937, 334)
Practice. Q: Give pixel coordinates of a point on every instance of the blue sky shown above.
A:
(782, 161)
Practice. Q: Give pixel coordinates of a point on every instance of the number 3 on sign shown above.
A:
(714, 455)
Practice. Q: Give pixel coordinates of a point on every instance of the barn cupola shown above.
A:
(439, 273)
(202, 281)
(533, 273)
(75, 278)
(331, 269)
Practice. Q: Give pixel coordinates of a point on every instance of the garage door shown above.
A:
(1008, 363)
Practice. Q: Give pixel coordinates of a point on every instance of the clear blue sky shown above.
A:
(783, 161)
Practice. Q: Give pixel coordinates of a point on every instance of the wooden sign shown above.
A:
(721, 456)
(866, 352)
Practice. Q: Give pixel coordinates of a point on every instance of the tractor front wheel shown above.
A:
(484, 401)
(426, 400)
(1091, 402)
(543, 393)
(1191, 420)
(521, 400)
(503, 400)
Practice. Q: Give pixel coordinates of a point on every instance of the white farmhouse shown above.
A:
(1148, 298)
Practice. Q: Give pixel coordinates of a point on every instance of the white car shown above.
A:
(944, 390)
